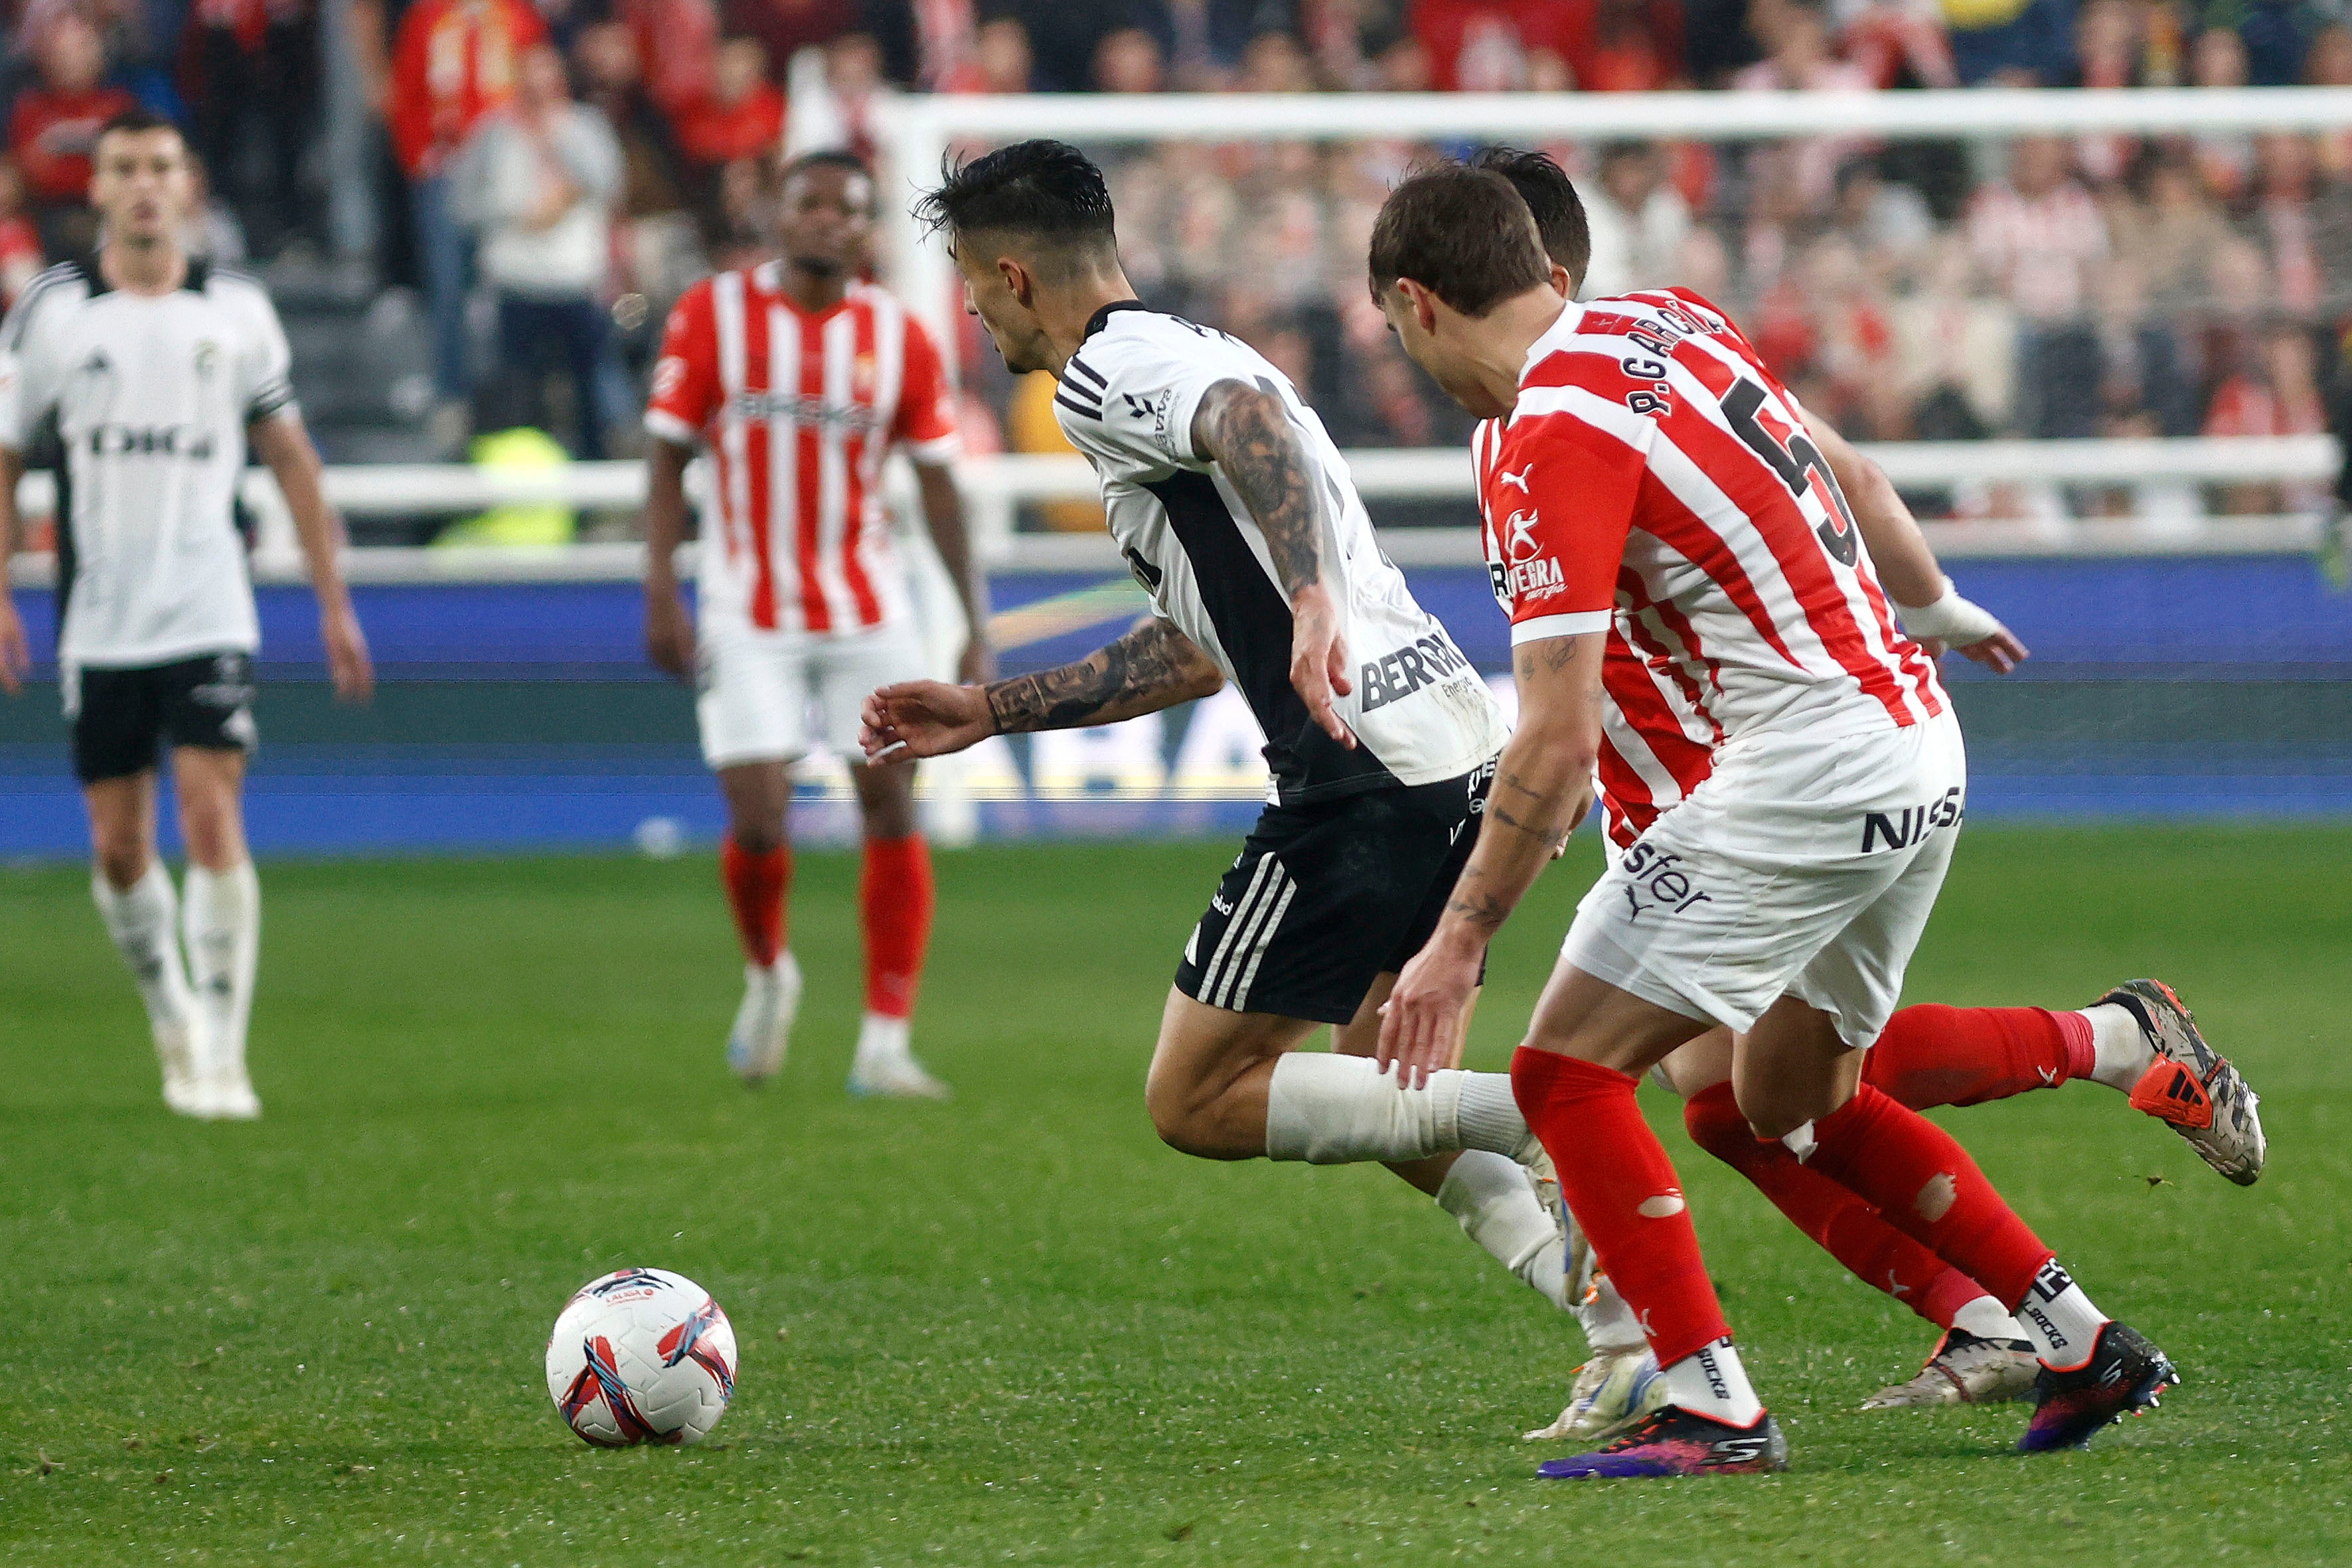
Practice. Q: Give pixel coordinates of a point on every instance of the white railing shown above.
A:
(995, 488)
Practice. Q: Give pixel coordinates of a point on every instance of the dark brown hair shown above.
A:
(1463, 233)
(1559, 212)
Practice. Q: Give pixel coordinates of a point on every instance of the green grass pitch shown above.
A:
(1015, 1328)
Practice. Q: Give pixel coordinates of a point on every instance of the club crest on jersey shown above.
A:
(207, 357)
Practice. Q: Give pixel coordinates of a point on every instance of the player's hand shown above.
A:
(1999, 653)
(16, 656)
(1318, 660)
(1421, 1023)
(670, 632)
(347, 654)
(923, 719)
(978, 665)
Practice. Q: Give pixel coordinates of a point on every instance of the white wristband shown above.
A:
(1955, 620)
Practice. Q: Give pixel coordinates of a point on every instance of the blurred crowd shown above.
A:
(549, 174)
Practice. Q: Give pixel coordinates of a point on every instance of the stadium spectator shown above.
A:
(1623, 45)
(2329, 64)
(1897, 43)
(1796, 34)
(2010, 43)
(2277, 35)
(55, 124)
(1886, 221)
(1129, 61)
(1000, 60)
(1638, 221)
(2145, 386)
(2110, 51)
(2226, 160)
(20, 242)
(2037, 234)
(1956, 347)
(2278, 395)
(2174, 234)
(453, 62)
(1492, 46)
(537, 180)
(252, 75)
(677, 47)
(744, 115)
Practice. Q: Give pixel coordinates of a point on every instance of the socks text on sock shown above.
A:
(1932, 1054)
(756, 885)
(143, 920)
(1923, 1183)
(1841, 1224)
(1710, 1381)
(1986, 1319)
(1623, 1189)
(2119, 1047)
(895, 899)
(222, 917)
(2059, 1321)
(1498, 1207)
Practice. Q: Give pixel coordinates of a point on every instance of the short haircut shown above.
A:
(134, 121)
(1045, 191)
(1559, 212)
(1463, 233)
(827, 158)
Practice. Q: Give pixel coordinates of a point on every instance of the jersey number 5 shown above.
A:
(1796, 463)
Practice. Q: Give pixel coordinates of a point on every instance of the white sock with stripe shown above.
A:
(1332, 1110)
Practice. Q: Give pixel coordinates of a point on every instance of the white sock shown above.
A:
(2059, 1321)
(223, 924)
(1489, 1118)
(1332, 1110)
(1499, 1208)
(883, 1040)
(143, 920)
(1984, 1318)
(1710, 1381)
(2119, 1047)
(1608, 1323)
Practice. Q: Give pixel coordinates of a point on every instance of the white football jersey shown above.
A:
(1419, 711)
(148, 397)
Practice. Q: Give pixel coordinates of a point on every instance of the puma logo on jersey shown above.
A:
(1517, 480)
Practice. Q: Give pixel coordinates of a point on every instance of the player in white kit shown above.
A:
(143, 375)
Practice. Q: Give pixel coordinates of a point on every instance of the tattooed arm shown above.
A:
(1247, 432)
(1543, 787)
(1154, 666)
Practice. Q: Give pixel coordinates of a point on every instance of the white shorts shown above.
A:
(770, 697)
(1799, 867)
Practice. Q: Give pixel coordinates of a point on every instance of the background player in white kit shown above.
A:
(151, 373)
(800, 380)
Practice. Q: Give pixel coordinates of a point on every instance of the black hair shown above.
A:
(1559, 212)
(1044, 190)
(134, 121)
(1463, 233)
(827, 158)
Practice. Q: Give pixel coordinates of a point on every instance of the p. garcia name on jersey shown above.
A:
(1425, 661)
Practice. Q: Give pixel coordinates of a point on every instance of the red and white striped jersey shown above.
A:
(798, 411)
(1654, 481)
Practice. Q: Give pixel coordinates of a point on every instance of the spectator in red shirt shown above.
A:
(453, 62)
(1491, 46)
(54, 125)
(20, 246)
(744, 115)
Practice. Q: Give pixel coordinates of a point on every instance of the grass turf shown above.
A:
(1015, 1328)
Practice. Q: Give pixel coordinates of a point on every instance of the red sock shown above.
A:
(1965, 1056)
(894, 899)
(1623, 1189)
(755, 888)
(1924, 1182)
(1849, 1229)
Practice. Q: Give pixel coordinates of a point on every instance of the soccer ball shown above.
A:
(642, 1355)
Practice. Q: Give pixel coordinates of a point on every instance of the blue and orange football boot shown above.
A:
(1673, 1442)
(2123, 1377)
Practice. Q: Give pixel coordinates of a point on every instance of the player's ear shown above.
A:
(1561, 283)
(1018, 282)
(1425, 304)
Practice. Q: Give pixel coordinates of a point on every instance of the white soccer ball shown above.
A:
(642, 1355)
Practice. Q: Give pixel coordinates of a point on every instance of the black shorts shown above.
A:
(122, 718)
(1327, 896)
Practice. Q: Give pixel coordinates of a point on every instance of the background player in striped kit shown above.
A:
(149, 374)
(800, 380)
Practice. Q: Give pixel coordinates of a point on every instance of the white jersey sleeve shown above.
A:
(265, 365)
(1127, 400)
(28, 377)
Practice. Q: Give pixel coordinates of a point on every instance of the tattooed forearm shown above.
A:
(1153, 667)
(1247, 431)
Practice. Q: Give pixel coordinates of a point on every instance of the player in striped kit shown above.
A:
(2137, 1039)
(1654, 471)
(800, 380)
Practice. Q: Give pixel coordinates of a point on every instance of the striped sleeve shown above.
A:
(1562, 497)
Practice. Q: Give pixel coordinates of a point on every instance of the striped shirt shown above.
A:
(1655, 482)
(798, 410)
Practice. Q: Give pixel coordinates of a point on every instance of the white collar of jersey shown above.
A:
(1571, 316)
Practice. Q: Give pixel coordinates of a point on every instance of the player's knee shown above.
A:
(121, 860)
(886, 802)
(1713, 1118)
(1184, 1118)
(1775, 1115)
(757, 838)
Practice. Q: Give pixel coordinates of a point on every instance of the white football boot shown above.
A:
(886, 1067)
(1964, 1369)
(764, 1023)
(176, 1049)
(1615, 1389)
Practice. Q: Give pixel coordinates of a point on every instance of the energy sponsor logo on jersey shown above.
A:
(794, 408)
(1901, 829)
(1525, 571)
(1425, 661)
